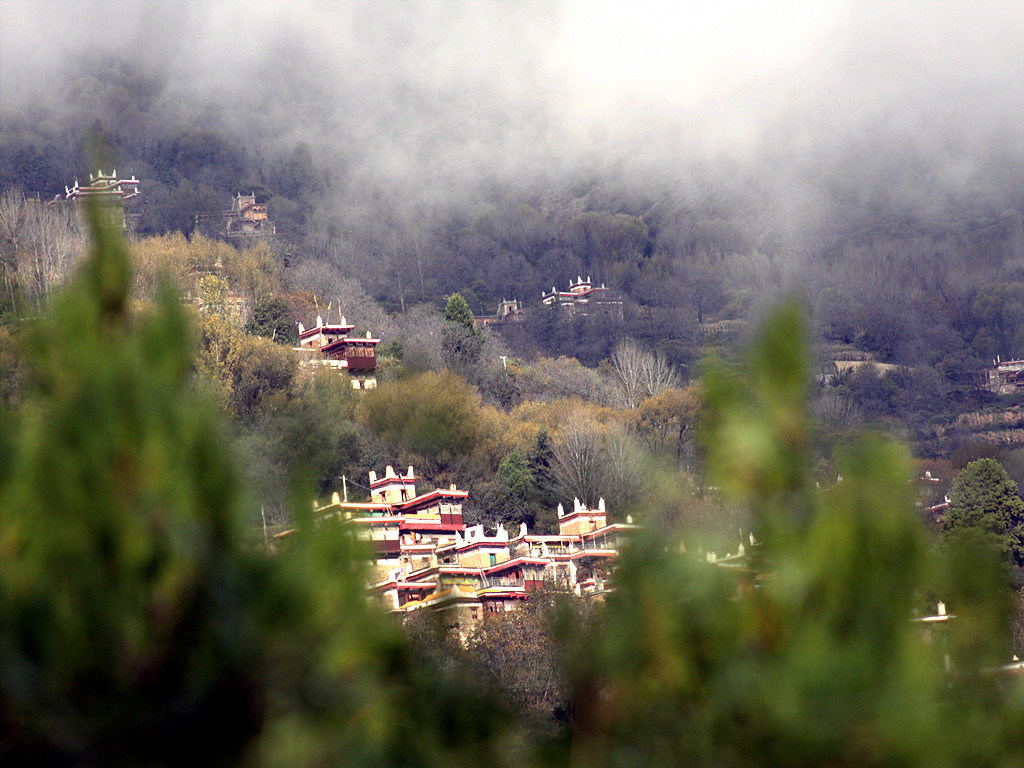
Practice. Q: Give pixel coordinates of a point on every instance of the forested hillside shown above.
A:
(398, 176)
(897, 259)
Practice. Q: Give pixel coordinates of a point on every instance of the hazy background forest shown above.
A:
(867, 159)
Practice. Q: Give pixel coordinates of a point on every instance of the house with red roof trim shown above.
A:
(583, 298)
(331, 345)
(424, 556)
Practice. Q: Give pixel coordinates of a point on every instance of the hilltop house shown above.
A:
(1003, 377)
(508, 310)
(247, 218)
(583, 298)
(112, 193)
(332, 346)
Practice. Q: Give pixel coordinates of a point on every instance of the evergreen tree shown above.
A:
(461, 341)
(137, 627)
(272, 319)
(516, 474)
(545, 499)
(119, 514)
(507, 497)
(298, 178)
(457, 311)
(984, 499)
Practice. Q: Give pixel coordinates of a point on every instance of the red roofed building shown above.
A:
(424, 556)
(583, 298)
(331, 345)
(247, 218)
(112, 193)
(406, 528)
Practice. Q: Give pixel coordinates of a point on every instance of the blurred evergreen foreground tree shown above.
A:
(814, 660)
(136, 629)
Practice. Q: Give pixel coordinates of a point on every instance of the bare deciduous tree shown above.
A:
(347, 297)
(594, 461)
(420, 331)
(518, 653)
(624, 468)
(578, 460)
(39, 245)
(13, 212)
(563, 377)
(320, 241)
(836, 411)
(641, 373)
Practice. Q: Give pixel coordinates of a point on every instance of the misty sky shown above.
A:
(436, 85)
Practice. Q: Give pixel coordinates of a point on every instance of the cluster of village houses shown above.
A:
(425, 556)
